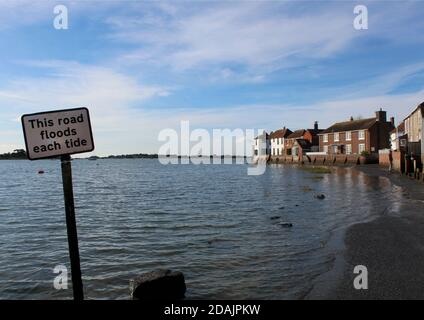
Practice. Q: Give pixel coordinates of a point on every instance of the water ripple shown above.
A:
(214, 223)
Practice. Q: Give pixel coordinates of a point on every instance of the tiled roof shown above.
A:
(351, 125)
(297, 134)
(315, 132)
(305, 144)
(400, 128)
(281, 133)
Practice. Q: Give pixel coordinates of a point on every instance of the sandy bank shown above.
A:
(391, 247)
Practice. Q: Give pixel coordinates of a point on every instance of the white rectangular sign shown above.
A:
(54, 133)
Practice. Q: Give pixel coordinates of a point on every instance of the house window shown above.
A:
(361, 135)
(325, 138)
(336, 136)
(348, 149)
(361, 147)
(278, 152)
(326, 149)
(348, 136)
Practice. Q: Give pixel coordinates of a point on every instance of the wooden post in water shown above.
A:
(71, 227)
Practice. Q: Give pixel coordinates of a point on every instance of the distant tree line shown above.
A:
(18, 154)
(133, 156)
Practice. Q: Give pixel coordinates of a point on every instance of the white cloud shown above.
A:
(255, 34)
(109, 96)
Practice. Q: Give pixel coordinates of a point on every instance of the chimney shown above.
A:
(381, 115)
(392, 120)
(316, 125)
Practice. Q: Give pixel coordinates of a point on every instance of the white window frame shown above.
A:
(348, 136)
(363, 147)
(325, 138)
(348, 149)
(326, 149)
(336, 137)
(361, 135)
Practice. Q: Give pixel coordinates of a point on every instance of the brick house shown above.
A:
(278, 140)
(357, 136)
(303, 140)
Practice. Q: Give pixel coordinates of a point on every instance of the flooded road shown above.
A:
(222, 228)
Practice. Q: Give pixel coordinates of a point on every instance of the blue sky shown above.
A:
(143, 66)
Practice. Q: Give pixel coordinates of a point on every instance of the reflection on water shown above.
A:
(212, 222)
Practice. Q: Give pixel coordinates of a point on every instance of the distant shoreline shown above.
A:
(22, 156)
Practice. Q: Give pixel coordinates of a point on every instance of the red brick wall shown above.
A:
(342, 140)
(380, 136)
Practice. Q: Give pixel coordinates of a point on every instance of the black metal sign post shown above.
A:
(71, 227)
(62, 133)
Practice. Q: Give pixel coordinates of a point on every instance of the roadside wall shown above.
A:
(384, 158)
(318, 159)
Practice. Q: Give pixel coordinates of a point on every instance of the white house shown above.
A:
(398, 138)
(278, 139)
(265, 148)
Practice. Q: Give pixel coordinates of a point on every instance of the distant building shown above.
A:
(357, 136)
(398, 138)
(414, 128)
(278, 140)
(265, 149)
(300, 147)
(303, 140)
